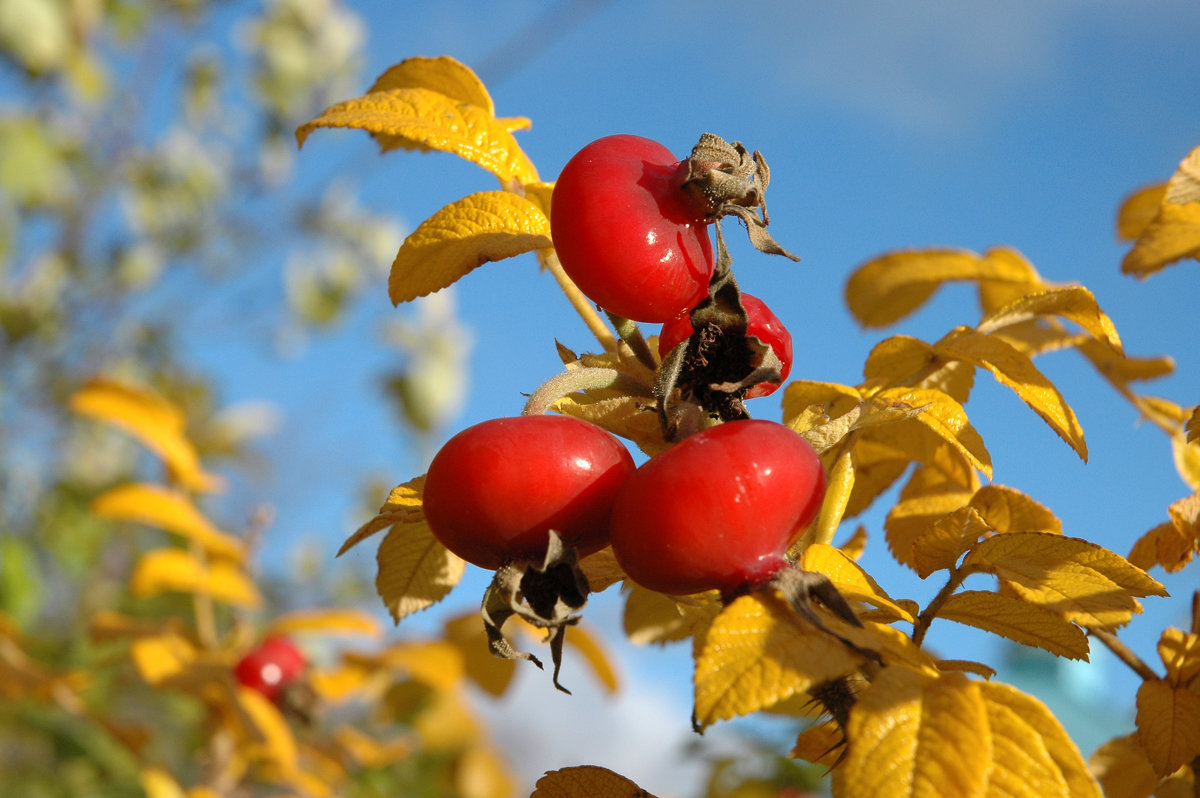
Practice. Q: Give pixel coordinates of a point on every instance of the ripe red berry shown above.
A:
(626, 231)
(271, 667)
(495, 490)
(760, 323)
(718, 510)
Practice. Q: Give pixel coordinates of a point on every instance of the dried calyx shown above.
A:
(548, 594)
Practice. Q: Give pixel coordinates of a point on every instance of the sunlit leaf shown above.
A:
(1032, 721)
(162, 657)
(940, 546)
(1123, 769)
(271, 737)
(652, 617)
(834, 399)
(945, 416)
(437, 663)
(1164, 545)
(325, 621)
(175, 570)
(170, 510)
(1014, 369)
(1021, 766)
(1184, 185)
(622, 414)
(1174, 234)
(1187, 460)
(586, 781)
(1074, 303)
(442, 74)
(967, 666)
(839, 485)
(890, 287)
(912, 734)
(1007, 509)
(601, 569)
(1083, 582)
(850, 579)
(158, 783)
(447, 722)
(480, 772)
(1017, 620)
(472, 231)
(491, 673)
(370, 752)
(1192, 426)
(1180, 653)
(426, 119)
(905, 361)
(928, 497)
(1139, 209)
(415, 570)
(820, 743)
(1121, 369)
(403, 506)
(1168, 724)
(339, 683)
(150, 418)
(759, 652)
(588, 646)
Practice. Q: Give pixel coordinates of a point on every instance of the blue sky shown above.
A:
(886, 125)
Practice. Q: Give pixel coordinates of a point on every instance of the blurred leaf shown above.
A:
(159, 784)
(589, 647)
(1139, 209)
(22, 587)
(1173, 234)
(162, 657)
(1074, 303)
(1187, 460)
(586, 781)
(477, 229)
(1017, 620)
(437, 663)
(326, 621)
(481, 773)
(652, 617)
(403, 506)
(270, 738)
(1184, 185)
(601, 569)
(1168, 725)
(153, 420)
(367, 751)
(1081, 581)
(1180, 654)
(1165, 545)
(491, 673)
(415, 570)
(1123, 769)
(174, 570)
(170, 510)
(428, 120)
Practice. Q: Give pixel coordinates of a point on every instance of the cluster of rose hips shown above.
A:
(528, 496)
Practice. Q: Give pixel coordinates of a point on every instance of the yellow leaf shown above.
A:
(966, 666)
(170, 510)
(403, 506)
(1174, 234)
(929, 496)
(437, 663)
(165, 570)
(588, 646)
(270, 737)
(1012, 368)
(1021, 765)
(339, 683)
(837, 495)
(1192, 426)
(1185, 515)
(1120, 369)
(490, 672)
(1017, 620)
(820, 744)
(856, 544)
(913, 735)
(1163, 545)
(1180, 653)
(1184, 185)
(1074, 303)
(1006, 509)
(945, 416)
(1081, 581)
(622, 414)
(1168, 725)
(1139, 209)
(150, 418)
(1019, 278)
(1123, 769)
(327, 621)
(370, 752)
(757, 653)
(161, 658)
(1187, 460)
(159, 784)
(482, 773)
(850, 579)
(890, 287)
(447, 722)
(939, 547)
(586, 781)
(477, 229)
(834, 399)
(1033, 721)
(601, 569)
(905, 361)
(442, 74)
(429, 120)
(652, 617)
(415, 570)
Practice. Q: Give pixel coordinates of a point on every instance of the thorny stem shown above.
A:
(583, 306)
(1124, 653)
(632, 335)
(930, 612)
(576, 380)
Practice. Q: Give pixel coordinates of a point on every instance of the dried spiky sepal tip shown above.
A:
(726, 179)
(548, 594)
(804, 588)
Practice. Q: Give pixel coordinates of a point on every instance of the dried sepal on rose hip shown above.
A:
(718, 510)
(526, 497)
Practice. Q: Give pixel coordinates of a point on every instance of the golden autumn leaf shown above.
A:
(928, 496)
(491, 673)
(160, 658)
(477, 229)
(157, 423)
(966, 666)
(586, 781)
(652, 617)
(820, 743)
(1123, 769)
(1017, 620)
(1184, 185)
(415, 570)
(850, 579)
(403, 506)
(480, 772)
(588, 646)
(758, 652)
(619, 413)
(1014, 369)
(1081, 581)
(1006, 509)
(1021, 766)
(905, 361)
(158, 783)
(175, 570)
(1168, 724)
(946, 417)
(169, 510)
(834, 399)
(939, 547)
(1187, 460)
(601, 569)
(913, 735)
(1028, 720)
(1074, 303)
(1192, 426)
(1121, 369)
(1165, 545)
(442, 74)
(1180, 654)
(268, 737)
(325, 621)
(424, 119)
(1174, 234)
(437, 663)
(1139, 209)
(838, 487)
(890, 287)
